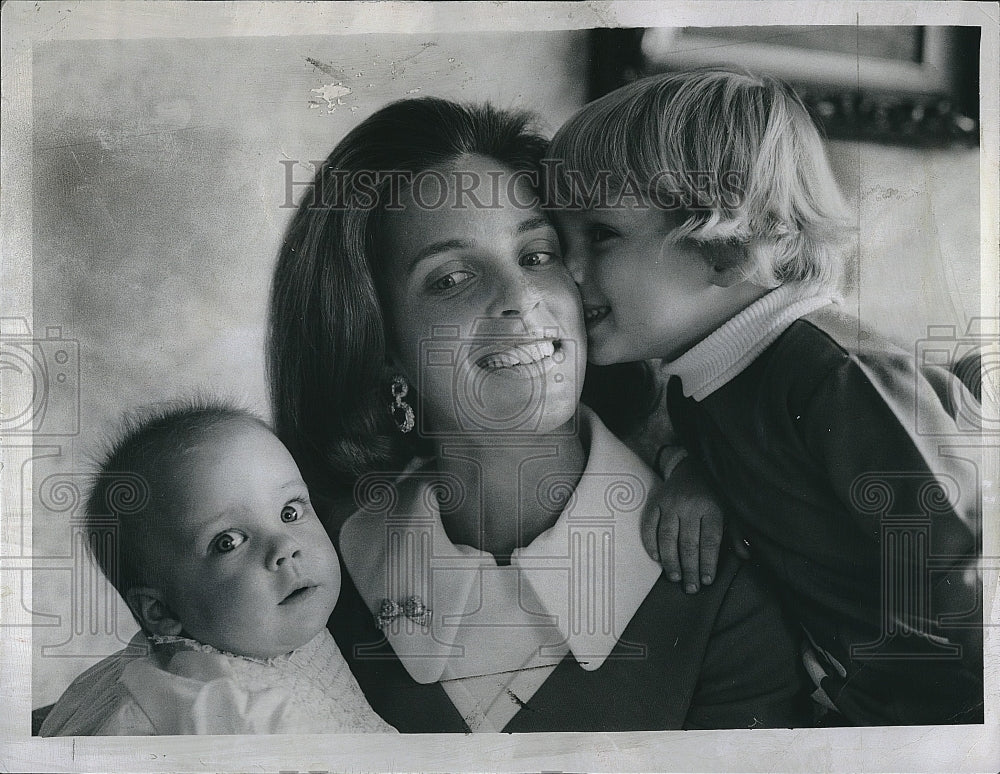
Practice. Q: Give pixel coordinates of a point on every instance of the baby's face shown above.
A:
(243, 561)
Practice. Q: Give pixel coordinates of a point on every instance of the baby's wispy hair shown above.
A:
(147, 443)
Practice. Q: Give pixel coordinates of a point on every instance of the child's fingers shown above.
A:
(709, 546)
(649, 528)
(688, 540)
(667, 541)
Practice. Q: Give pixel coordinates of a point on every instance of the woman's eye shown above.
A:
(290, 513)
(450, 280)
(228, 541)
(538, 258)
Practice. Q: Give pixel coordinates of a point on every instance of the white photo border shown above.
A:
(958, 748)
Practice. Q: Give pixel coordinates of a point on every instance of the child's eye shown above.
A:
(450, 280)
(538, 258)
(291, 513)
(227, 541)
(600, 234)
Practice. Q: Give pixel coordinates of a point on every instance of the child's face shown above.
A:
(244, 563)
(643, 296)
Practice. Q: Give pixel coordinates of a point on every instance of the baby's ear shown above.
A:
(156, 617)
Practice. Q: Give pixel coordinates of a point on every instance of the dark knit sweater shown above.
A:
(868, 527)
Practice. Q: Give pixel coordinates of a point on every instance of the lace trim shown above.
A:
(301, 655)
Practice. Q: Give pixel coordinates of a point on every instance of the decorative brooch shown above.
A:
(411, 607)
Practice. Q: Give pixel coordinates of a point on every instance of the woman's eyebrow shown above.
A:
(436, 247)
(444, 246)
(532, 223)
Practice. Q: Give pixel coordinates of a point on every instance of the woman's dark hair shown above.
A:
(326, 343)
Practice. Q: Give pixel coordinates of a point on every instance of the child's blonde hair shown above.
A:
(735, 155)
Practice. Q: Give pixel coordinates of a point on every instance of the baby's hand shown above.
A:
(682, 527)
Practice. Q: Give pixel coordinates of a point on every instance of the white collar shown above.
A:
(576, 586)
(723, 355)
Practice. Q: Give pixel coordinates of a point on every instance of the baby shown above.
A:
(232, 577)
(704, 228)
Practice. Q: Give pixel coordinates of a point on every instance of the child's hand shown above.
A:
(682, 527)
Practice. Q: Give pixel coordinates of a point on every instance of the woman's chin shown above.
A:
(504, 404)
(605, 353)
(598, 358)
(560, 419)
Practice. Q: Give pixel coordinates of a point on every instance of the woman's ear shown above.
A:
(155, 615)
(392, 366)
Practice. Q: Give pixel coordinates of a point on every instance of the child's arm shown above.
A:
(906, 470)
(891, 445)
(682, 524)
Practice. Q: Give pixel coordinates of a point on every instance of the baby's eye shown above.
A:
(290, 513)
(227, 541)
(538, 258)
(450, 280)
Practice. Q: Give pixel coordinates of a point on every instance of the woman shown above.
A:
(427, 346)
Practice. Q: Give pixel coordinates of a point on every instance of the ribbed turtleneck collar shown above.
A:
(721, 356)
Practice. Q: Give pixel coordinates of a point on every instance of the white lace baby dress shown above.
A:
(182, 686)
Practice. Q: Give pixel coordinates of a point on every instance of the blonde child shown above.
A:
(703, 226)
(232, 578)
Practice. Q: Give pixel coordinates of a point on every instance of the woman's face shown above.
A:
(484, 319)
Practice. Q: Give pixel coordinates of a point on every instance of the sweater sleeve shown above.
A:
(907, 473)
(890, 445)
(751, 675)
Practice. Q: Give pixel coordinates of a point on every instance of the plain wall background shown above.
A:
(158, 193)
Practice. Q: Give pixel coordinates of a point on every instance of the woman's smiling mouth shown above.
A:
(520, 354)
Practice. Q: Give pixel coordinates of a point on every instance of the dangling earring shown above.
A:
(402, 412)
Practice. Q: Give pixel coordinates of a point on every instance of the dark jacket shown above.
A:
(723, 658)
